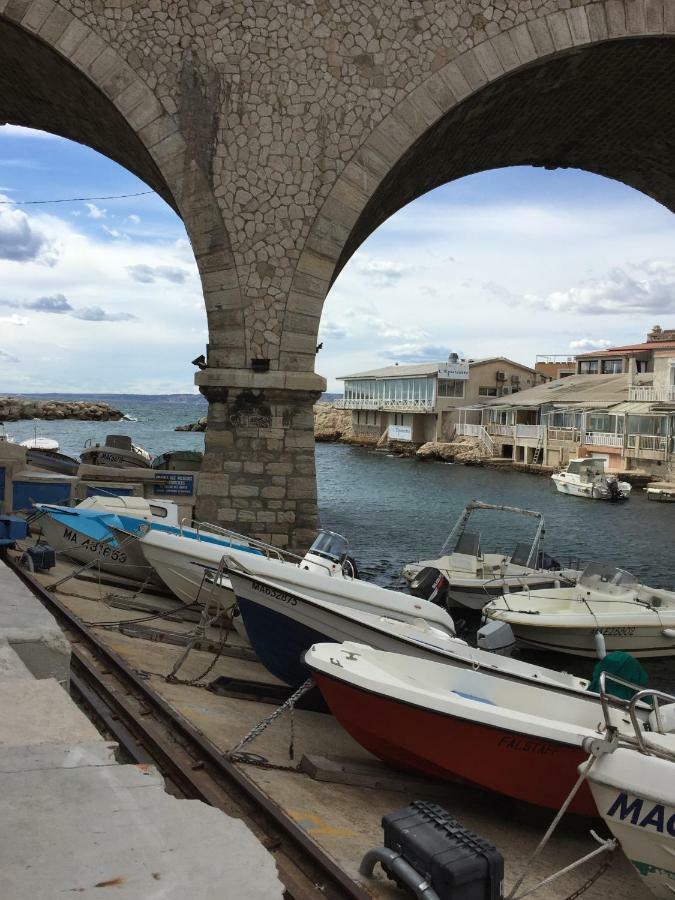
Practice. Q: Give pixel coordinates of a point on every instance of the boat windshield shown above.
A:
(587, 469)
(608, 579)
(331, 546)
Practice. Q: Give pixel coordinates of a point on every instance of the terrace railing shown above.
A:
(571, 435)
(603, 439)
(387, 403)
(651, 395)
(477, 431)
(651, 443)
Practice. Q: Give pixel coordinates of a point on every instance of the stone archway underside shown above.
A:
(607, 109)
(41, 89)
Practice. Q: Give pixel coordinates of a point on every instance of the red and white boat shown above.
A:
(515, 738)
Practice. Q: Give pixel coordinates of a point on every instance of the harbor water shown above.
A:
(394, 510)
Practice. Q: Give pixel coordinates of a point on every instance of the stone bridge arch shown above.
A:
(60, 74)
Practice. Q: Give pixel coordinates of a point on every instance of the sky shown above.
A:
(105, 296)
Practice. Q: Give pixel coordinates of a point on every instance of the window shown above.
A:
(447, 388)
(487, 391)
(588, 367)
(612, 366)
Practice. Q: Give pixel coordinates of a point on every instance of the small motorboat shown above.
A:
(189, 561)
(587, 478)
(52, 461)
(661, 493)
(608, 609)
(474, 577)
(40, 443)
(521, 739)
(118, 451)
(179, 461)
(633, 785)
(282, 624)
(85, 532)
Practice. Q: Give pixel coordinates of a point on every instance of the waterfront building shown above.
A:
(552, 366)
(420, 403)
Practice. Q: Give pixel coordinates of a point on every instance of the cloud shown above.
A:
(113, 232)
(134, 219)
(14, 319)
(380, 272)
(419, 353)
(56, 304)
(647, 287)
(21, 239)
(148, 274)
(97, 314)
(584, 345)
(95, 212)
(7, 357)
(332, 331)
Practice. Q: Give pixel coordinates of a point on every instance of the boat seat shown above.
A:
(667, 716)
(469, 544)
(521, 554)
(463, 563)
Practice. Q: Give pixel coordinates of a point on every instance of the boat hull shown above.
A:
(116, 458)
(634, 795)
(588, 491)
(282, 626)
(476, 594)
(187, 577)
(430, 743)
(643, 641)
(125, 561)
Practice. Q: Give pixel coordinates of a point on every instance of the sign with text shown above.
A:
(174, 483)
(458, 371)
(400, 432)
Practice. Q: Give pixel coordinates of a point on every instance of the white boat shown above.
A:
(40, 443)
(587, 478)
(521, 739)
(474, 577)
(117, 451)
(633, 784)
(85, 532)
(608, 609)
(282, 622)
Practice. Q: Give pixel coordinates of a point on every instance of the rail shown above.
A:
(477, 431)
(140, 718)
(643, 698)
(572, 435)
(386, 403)
(603, 439)
(651, 395)
(652, 443)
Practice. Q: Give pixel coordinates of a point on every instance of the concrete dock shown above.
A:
(333, 788)
(73, 820)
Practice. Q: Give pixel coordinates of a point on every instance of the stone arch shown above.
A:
(60, 75)
(477, 101)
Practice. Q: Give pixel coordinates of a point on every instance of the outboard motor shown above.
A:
(430, 584)
(614, 490)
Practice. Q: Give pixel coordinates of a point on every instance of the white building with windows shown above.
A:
(420, 403)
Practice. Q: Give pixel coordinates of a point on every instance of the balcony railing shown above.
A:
(650, 394)
(477, 431)
(387, 403)
(603, 439)
(652, 443)
(571, 435)
(515, 431)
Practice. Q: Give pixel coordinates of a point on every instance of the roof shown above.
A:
(639, 408)
(630, 348)
(575, 390)
(430, 368)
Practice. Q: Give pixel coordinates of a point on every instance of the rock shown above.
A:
(12, 409)
(463, 450)
(332, 423)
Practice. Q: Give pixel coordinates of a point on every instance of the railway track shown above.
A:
(150, 731)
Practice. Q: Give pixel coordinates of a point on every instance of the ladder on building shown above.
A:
(539, 449)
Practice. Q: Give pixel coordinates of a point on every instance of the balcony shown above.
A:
(647, 446)
(603, 439)
(516, 432)
(387, 404)
(564, 435)
(651, 395)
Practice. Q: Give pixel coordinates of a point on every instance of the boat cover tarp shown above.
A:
(625, 666)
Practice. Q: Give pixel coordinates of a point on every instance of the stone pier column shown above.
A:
(258, 475)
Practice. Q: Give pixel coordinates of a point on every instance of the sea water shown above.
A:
(396, 510)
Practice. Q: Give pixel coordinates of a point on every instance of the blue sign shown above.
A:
(174, 483)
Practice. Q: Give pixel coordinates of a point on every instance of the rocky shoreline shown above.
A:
(14, 409)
